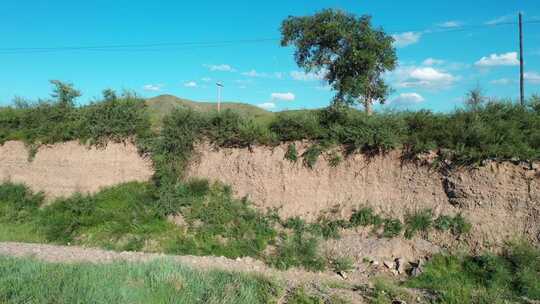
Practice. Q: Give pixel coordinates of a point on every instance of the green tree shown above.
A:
(347, 50)
(64, 93)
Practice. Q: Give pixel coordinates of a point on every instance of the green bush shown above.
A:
(291, 154)
(17, 203)
(509, 278)
(311, 155)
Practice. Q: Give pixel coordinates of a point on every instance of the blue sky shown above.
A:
(444, 49)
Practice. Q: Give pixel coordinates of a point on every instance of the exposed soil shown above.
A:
(65, 168)
(501, 200)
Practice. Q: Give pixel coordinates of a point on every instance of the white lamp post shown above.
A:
(219, 87)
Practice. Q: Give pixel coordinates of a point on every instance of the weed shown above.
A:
(365, 217)
(311, 155)
(292, 153)
(420, 221)
(341, 264)
(392, 228)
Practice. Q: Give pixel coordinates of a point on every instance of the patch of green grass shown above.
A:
(458, 225)
(311, 155)
(30, 281)
(298, 250)
(488, 278)
(420, 221)
(365, 217)
(386, 291)
(341, 264)
(291, 154)
(392, 227)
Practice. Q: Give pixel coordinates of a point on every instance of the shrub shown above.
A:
(311, 155)
(296, 125)
(291, 154)
(18, 203)
(511, 277)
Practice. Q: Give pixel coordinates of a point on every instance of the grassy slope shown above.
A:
(30, 281)
(163, 105)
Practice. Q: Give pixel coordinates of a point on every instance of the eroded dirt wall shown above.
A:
(65, 168)
(502, 200)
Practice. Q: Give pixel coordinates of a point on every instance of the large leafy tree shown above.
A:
(347, 50)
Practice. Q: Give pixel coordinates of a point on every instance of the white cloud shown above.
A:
(267, 105)
(407, 99)
(219, 67)
(506, 59)
(153, 87)
(254, 73)
(502, 81)
(424, 77)
(532, 77)
(500, 20)
(190, 84)
(302, 76)
(450, 24)
(283, 96)
(206, 79)
(432, 61)
(406, 39)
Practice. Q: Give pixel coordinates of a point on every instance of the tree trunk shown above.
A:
(368, 107)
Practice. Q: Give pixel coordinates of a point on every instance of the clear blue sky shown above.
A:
(436, 68)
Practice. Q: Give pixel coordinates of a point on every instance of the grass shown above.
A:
(509, 278)
(420, 221)
(31, 281)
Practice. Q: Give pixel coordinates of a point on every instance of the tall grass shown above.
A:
(510, 278)
(30, 281)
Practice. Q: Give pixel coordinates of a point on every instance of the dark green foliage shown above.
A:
(511, 277)
(420, 221)
(457, 225)
(311, 155)
(115, 118)
(352, 54)
(18, 203)
(58, 120)
(116, 218)
(365, 217)
(297, 125)
(392, 228)
(292, 153)
(220, 225)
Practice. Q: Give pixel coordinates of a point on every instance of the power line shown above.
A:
(179, 46)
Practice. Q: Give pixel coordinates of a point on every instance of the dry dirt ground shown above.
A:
(65, 168)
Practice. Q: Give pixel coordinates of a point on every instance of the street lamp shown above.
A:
(219, 87)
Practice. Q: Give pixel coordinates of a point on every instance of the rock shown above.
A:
(398, 302)
(342, 274)
(400, 265)
(416, 271)
(389, 264)
(375, 263)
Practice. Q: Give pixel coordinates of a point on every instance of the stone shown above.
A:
(400, 265)
(389, 264)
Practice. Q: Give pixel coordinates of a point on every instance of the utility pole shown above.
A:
(219, 87)
(521, 69)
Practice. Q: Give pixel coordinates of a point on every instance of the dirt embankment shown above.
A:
(501, 200)
(65, 168)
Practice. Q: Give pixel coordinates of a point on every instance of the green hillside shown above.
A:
(162, 105)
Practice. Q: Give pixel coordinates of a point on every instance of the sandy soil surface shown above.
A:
(65, 168)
